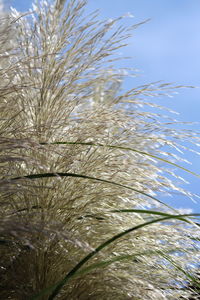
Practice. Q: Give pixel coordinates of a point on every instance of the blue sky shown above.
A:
(166, 48)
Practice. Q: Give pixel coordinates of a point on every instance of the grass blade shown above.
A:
(127, 149)
(72, 273)
(67, 174)
(178, 267)
(123, 257)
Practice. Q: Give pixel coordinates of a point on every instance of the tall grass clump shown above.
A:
(81, 167)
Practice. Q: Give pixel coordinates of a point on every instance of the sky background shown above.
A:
(166, 48)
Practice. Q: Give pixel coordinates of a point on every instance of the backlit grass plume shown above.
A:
(81, 167)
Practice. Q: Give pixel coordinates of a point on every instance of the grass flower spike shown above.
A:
(82, 167)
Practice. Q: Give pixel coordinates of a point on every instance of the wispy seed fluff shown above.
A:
(77, 153)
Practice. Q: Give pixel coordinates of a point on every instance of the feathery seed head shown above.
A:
(76, 152)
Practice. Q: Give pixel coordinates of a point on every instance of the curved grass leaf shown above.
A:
(151, 212)
(178, 267)
(127, 149)
(67, 174)
(119, 258)
(142, 211)
(56, 289)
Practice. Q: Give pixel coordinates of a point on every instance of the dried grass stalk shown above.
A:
(62, 112)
